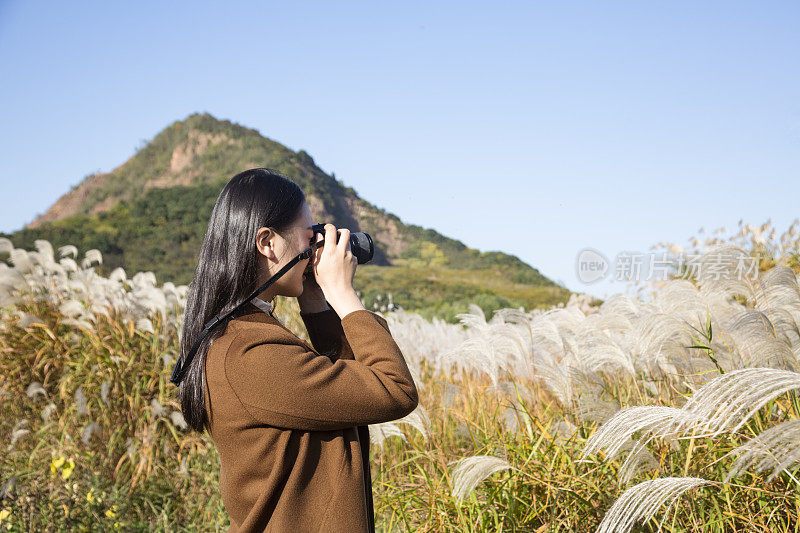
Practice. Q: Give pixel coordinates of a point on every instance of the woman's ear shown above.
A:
(265, 243)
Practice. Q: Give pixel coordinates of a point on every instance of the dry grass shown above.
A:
(686, 390)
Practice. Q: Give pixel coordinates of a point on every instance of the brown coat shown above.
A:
(290, 420)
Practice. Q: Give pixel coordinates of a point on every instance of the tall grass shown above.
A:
(576, 418)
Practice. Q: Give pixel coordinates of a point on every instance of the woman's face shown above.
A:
(295, 240)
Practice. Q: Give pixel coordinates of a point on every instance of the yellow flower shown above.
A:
(56, 464)
(111, 513)
(5, 513)
(70, 466)
(90, 496)
(117, 525)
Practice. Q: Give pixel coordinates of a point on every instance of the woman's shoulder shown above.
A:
(239, 337)
(262, 331)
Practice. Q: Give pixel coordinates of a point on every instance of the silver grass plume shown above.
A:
(474, 319)
(470, 471)
(418, 419)
(80, 401)
(781, 303)
(6, 246)
(642, 501)
(514, 343)
(599, 352)
(757, 342)
(623, 310)
(780, 288)
(380, 432)
(727, 271)
(661, 339)
(15, 436)
(775, 449)
(158, 409)
(420, 339)
(90, 429)
(511, 315)
(48, 411)
(486, 352)
(638, 460)
(65, 250)
(554, 372)
(8, 487)
(28, 320)
(491, 347)
(104, 389)
(167, 360)
(21, 260)
(585, 382)
(118, 274)
(71, 308)
(79, 323)
(591, 406)
(76, 314)
(176, 417)
(45, 250)
(90, 257)
(786, 327)
(727, 402)
(68, 264)
(679, 297)
(184, 469)
(546, 335)
(18, 432)
(145, 325)
(617, 431)
(510, 419)
(35, 388)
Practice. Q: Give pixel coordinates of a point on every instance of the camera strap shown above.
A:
(180, 369)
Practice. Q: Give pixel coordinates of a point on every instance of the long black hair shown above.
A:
(227, 268)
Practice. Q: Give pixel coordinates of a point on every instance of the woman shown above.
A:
(289, 420)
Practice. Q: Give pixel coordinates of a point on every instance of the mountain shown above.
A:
(151, 213)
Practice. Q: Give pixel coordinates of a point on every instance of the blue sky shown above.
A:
(537, 129)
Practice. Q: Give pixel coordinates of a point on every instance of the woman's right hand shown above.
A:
(334, 267)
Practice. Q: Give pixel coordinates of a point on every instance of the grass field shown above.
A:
(677, 408)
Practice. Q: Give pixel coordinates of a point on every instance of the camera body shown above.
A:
(361, 244)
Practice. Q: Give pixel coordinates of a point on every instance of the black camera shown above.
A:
(360, 243)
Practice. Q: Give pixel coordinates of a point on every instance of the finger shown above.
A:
(344, 240)
(330, 237)
(319, 240)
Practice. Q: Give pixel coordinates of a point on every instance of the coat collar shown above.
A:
(251, 312)
(261, 304)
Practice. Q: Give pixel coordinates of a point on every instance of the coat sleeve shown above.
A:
(282, 383)
(326, 333)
